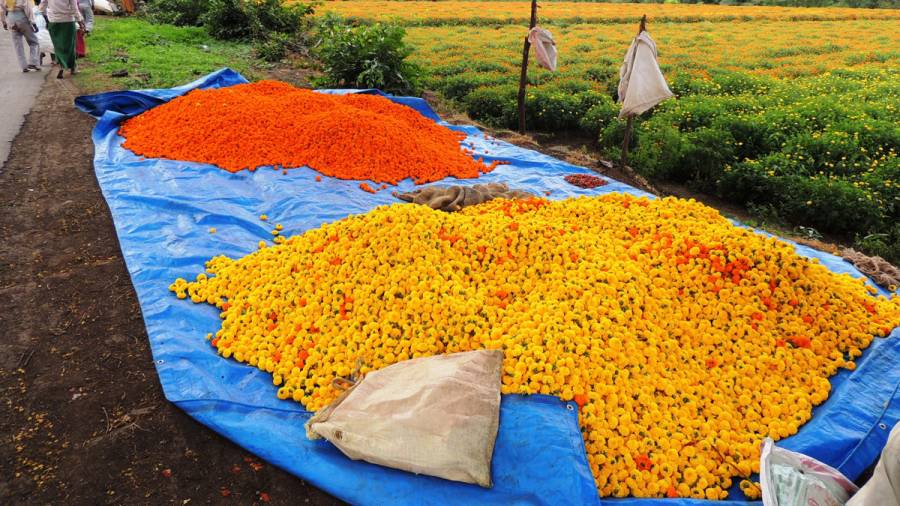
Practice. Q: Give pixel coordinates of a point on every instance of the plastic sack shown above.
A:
(641, 83)
(883, 488)
(544, 47)
(433, 415)
(105, 6)
(455, 198)
(789, 479)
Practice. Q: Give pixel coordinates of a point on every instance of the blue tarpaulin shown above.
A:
(162, 210)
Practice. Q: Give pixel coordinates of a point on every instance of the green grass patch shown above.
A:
(156, 56)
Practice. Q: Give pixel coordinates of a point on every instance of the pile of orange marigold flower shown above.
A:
(684, 339)
(273, 123)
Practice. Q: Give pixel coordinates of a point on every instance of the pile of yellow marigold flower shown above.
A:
(685, 340)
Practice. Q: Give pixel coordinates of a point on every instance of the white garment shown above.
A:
(544, 47)
(20, 28)
(61, 11)
(87, 12)
(641, 83)
(43, 36)
(883, 489)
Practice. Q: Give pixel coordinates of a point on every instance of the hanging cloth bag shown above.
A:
(641, 82)
(544, 47)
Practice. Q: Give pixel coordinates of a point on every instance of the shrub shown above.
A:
(704, 152)
(656, 151)
(494, 105)
(458, 86)
(175, 12)
(834, 206)
(254, 19)
(227, 20)
(753, 136)
(885, 244)
(599, 115)
(275, 48)
(372, 56)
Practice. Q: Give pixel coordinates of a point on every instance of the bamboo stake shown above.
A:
(523, 78)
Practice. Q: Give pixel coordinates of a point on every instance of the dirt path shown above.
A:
(84, 418)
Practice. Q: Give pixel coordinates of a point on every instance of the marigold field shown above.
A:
(683, 338)
(791, 112)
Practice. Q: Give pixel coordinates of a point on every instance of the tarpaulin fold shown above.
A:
(162, 211)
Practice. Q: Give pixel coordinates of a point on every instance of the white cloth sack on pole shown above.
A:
(789, 478)
(883, 488)
(544, 47)
(641, 83)
(432, 415)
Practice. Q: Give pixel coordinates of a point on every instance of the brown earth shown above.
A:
(84, 418)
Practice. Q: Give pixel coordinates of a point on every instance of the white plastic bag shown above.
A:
(433, 415)
(544, 47)
(789, 478)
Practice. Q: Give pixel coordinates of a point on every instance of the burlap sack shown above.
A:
(434, 415)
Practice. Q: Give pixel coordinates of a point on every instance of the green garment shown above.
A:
(63, 37)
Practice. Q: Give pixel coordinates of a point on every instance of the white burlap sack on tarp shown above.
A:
(433, 415)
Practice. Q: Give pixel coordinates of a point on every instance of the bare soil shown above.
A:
(84, 418)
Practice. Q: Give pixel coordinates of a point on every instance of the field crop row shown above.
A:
(797, 120)
(556, 13)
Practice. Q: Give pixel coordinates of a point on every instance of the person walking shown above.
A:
(65, 18)
(18, 17)
(87, 13)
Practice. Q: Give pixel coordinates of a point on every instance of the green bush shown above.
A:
(175, 12)
(227, 20)
(275, 48)
(704, 152)
(829, 205)
(884, 244)
(372, 56)
(599, 115)
(494, 105)
(557, 110)
(656, 149)
(458, 86)
(254, 19)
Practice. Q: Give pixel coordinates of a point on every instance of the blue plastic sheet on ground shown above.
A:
(162, 211)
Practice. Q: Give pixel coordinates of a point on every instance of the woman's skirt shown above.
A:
(63, 37)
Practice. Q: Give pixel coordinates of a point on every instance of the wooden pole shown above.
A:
(625, 142)
(624, 161)
(523, 78)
